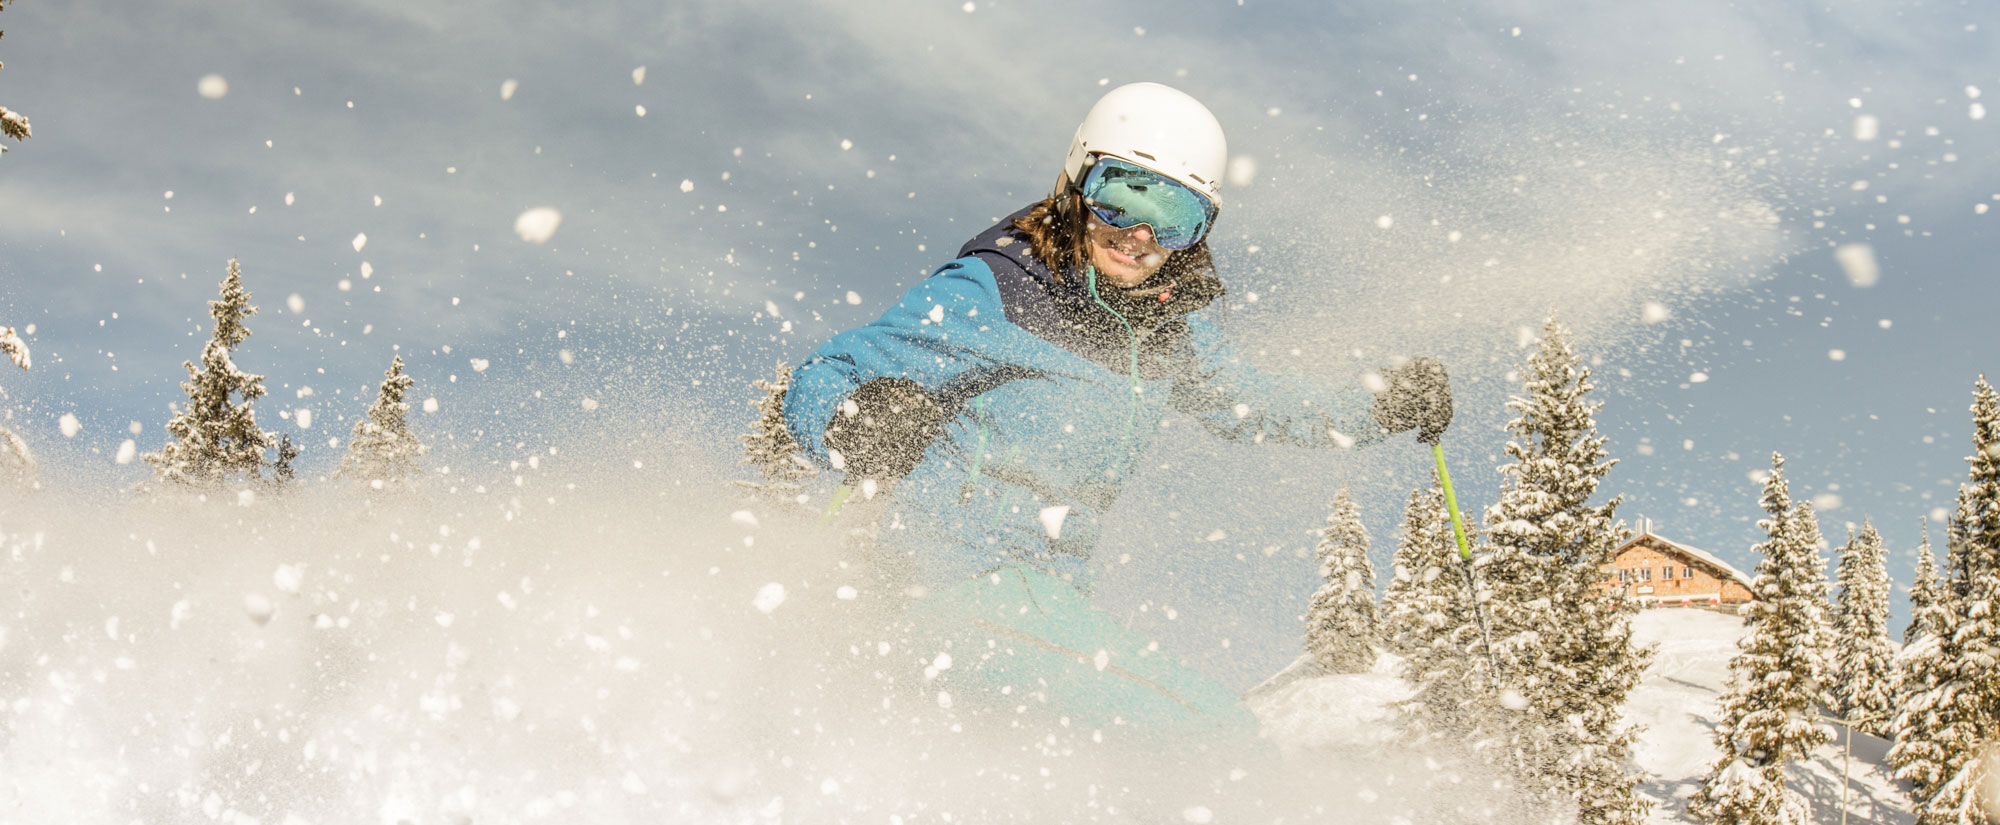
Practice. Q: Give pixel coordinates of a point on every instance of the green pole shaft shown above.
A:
(840, 495)
(1451, 503)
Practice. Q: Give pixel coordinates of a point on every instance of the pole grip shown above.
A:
(1451, 503)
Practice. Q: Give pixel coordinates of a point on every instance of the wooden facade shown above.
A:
(1661, 573)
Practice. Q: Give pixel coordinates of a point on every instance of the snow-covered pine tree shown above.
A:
(1767, 717)
(281, 470)
(770, 448)
(17, 464)
(1428, 618)
(1341, 625)
(1864, 668)
(1916, 755)
(382, 451)
(216, 436)
(12, 124)
(1968, 701)
(1927, 591)
(1563, 641)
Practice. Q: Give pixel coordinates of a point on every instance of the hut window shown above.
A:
(1687, 572)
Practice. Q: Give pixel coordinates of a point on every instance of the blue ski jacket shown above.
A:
(1052, 397)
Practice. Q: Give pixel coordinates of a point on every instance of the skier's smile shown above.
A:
(1125, 257)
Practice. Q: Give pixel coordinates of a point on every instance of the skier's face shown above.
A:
(1125, 257)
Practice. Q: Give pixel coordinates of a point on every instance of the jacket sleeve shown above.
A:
(930, 336)
(1238, 402)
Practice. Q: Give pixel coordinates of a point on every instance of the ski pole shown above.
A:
(1465, 553)
(839, 500)
(1451, 503)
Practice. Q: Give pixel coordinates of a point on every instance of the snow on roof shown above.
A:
(1702, 556)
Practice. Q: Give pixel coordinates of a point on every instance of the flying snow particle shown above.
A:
(744, 517)
(1052, 519)
(304, 417)
(295, 303)
(1858, 261)
(537, 225)
(687, 185)
(288, 577)
(212, 86)
(853, 298)
(1697, 377)
(636, 786)
(1826, 501)
(1198, 814)
(1242, 170)
(288, 199)
(769, 597)
(1102, 660)
(1866, 127)
(480, 364)
(639, 76)
(360, 240)
(507, 88)
(771, 309)
(1654, 312)
(1385, 221)
(1977, 111)
(430, 405)
(1217, 534)
(846, 145)
(829, 786)
(245, 498)
(846, 592)
(1939, 514)
(126, 450)
(259, 608)
(640, 110)
(589, 404)
(869, 487)
(367, 270)
(1513, 700)
(68, 424)
(936, 314)
(179, 613)
(969, 8)
(1837, 354)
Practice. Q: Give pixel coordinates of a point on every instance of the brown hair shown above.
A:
(1055, 232)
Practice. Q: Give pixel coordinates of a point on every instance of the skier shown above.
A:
(1012, 393)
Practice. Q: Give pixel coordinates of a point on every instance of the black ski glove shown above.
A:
(894, 421)
(1418, 398)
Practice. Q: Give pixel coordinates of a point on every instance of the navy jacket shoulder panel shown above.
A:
(1061, 311)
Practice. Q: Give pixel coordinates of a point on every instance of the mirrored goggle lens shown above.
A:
(1125, 195)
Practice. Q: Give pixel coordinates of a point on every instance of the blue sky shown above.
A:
(1701, 158)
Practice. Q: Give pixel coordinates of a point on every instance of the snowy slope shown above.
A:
(1344, 715)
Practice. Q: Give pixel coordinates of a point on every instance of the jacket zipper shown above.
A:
(1132, 373)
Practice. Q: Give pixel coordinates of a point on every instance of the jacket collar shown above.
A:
(1064, 312)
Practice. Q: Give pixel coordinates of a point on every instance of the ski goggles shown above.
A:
(1125, 195)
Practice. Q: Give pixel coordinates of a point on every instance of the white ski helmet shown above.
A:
(1158, 127)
